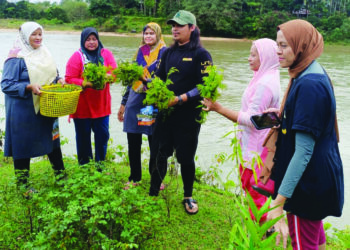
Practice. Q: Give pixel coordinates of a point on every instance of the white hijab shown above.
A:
(40, 64)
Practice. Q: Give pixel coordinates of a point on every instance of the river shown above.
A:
(229, 55)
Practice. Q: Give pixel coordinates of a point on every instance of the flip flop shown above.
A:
(190, 205)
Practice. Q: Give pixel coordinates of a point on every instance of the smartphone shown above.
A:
(266, 120)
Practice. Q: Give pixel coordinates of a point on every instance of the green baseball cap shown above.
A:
(183, 17)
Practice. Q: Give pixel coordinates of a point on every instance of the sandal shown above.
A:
(127, 185)
(189, 203)
(29, 193)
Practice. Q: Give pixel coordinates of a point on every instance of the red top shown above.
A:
(92, 103)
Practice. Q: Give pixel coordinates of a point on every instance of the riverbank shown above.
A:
(89, 209)
(114, 34)
(75, 32)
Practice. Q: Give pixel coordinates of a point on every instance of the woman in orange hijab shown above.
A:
(308, 171)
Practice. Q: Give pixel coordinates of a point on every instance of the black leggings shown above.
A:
(134, 148)
(184, 140)
(23, 165)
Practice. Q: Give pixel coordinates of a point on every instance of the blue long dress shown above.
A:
(27, 134)
(134, 101)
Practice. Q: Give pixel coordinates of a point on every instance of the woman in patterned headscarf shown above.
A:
(29, 134)
(308, 171)
(138, 119)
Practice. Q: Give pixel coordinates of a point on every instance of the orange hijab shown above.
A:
(307, 45)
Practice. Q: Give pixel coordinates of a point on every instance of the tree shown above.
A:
(332, 22)
(101, 8)
(215, 17)
(76, 10)
(169, 7)
(267, 24)
(9, 10)
(150, 5)
(58, 13)
(21, 10)
(2, 8)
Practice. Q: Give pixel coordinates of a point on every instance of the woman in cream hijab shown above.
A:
(29, 134)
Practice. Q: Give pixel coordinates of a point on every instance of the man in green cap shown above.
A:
(179, 131)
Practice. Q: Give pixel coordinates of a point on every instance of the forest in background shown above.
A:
(219, 18)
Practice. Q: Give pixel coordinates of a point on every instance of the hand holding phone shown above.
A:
(266, 120)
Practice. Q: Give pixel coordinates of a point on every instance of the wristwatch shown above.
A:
(179, 100)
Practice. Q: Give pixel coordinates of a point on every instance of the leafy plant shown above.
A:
(158, 93)
(128, 73)
(96, 74)
(248, 233)
(116, 152)
(210, 88)
(213, 175)
(172, 186)
(337, 238)
(86, 210)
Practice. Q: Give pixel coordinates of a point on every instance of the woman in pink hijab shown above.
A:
(262, 93)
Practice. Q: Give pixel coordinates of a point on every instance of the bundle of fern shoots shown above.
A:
(127, 73)
(158, 93)
(210, 88)
(97, 75)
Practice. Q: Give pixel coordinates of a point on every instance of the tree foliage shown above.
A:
(227, 18)
(76, 10)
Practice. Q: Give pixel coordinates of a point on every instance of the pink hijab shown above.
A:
(269, 64)
(263, 92)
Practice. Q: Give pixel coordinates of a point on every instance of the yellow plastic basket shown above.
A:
(57, 100)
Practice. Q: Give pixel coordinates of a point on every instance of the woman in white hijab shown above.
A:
(29, 134)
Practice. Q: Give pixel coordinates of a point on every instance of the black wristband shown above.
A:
(180, 101)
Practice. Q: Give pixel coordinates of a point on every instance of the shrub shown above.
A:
(86, 210)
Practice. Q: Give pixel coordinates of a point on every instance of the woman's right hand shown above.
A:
(34, 88)
(87, 85)
(210, 105)
(280, 227)
(121, 113)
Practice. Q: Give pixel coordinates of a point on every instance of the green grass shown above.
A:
(209, 229)
(159, 222)
(16, 23)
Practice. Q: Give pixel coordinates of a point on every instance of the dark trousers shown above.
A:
(23, 165)
(83, 128)
(184, 140)
(134, 148)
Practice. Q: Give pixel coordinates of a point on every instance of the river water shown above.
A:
(229, 55)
